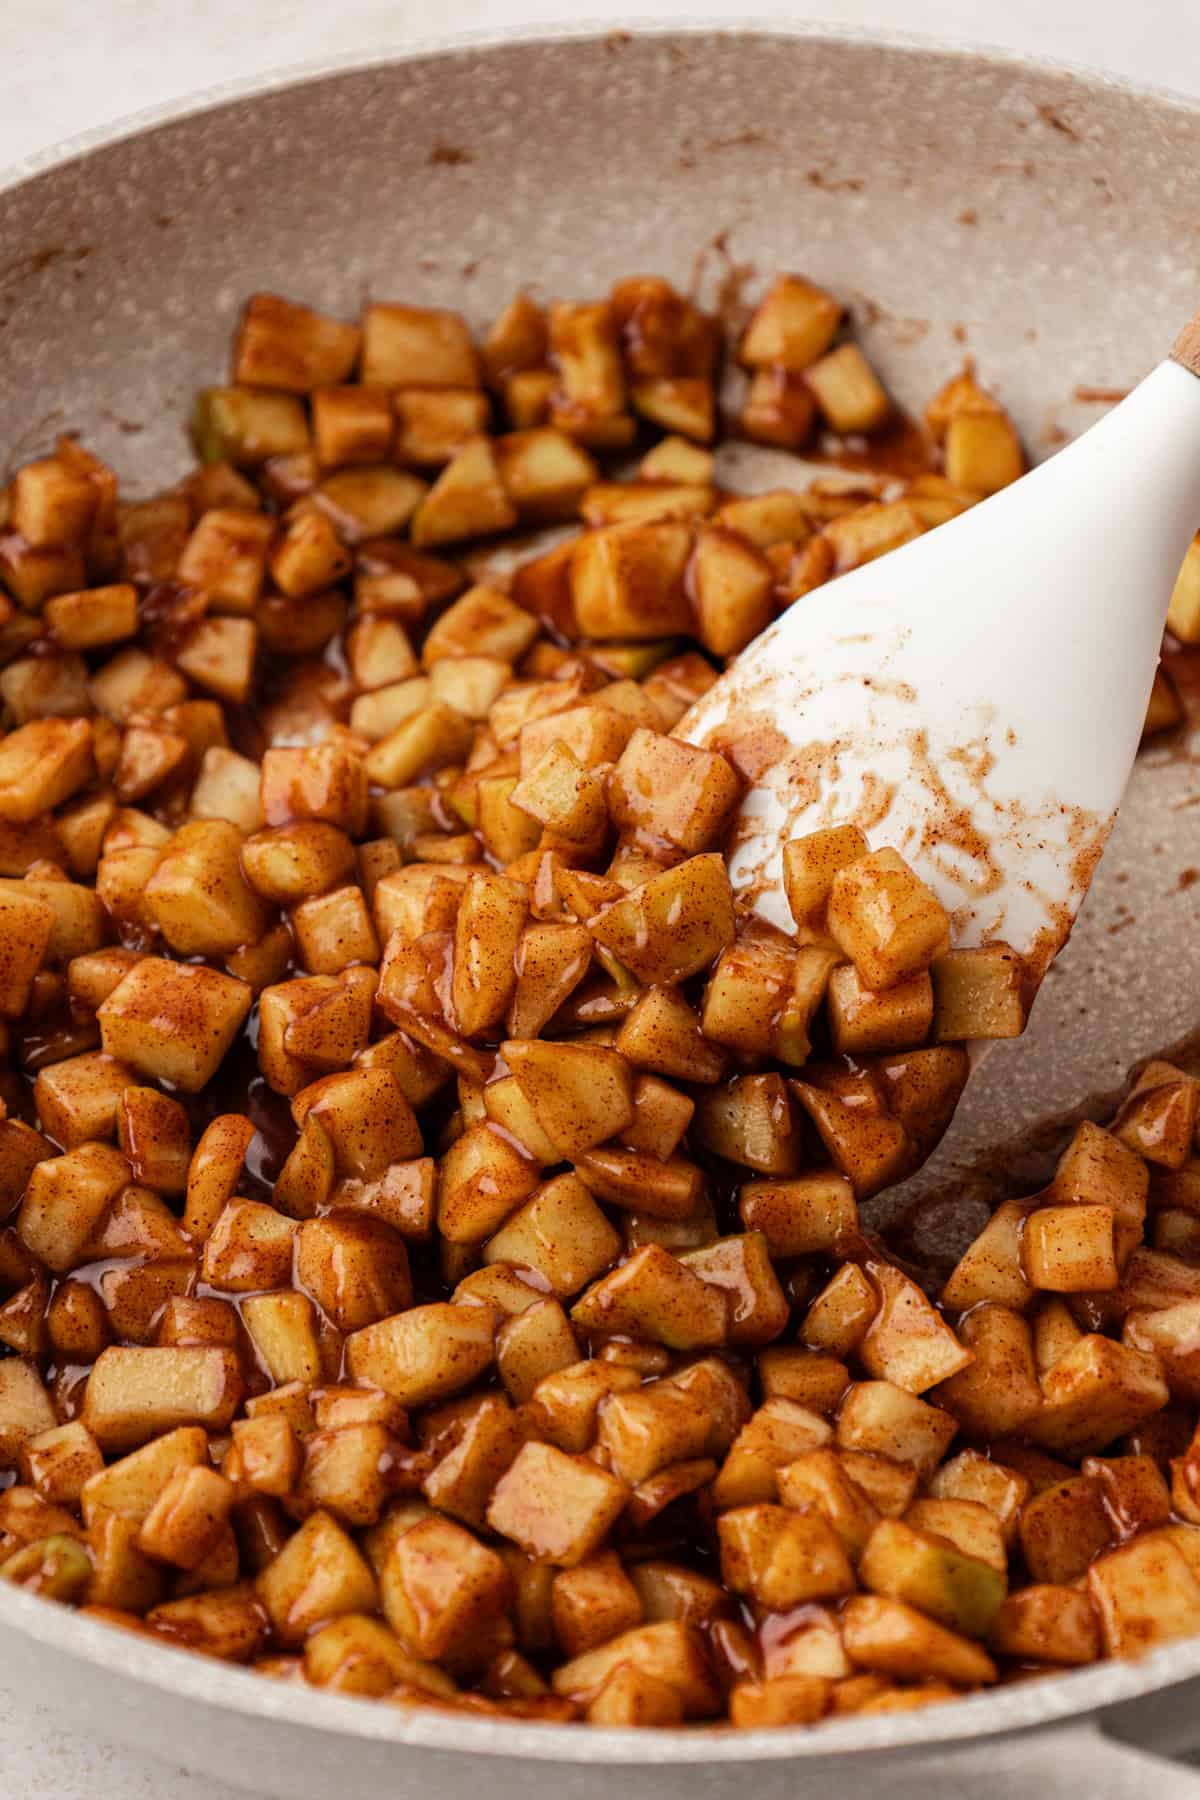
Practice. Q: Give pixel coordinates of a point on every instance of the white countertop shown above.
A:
(72, 65)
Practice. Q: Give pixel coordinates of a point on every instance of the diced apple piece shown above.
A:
(1145, 1593)
(487, 932)
(977, 993)
(561, 1233)
(848, 391)
(592, 1603)
(627, 580)
(134, 1394)
(187, 1519)
(440, 1587)
(1063, 1528)
(645, 1431)
(42, 764)
(26, 1409)
(975, 1478)
(997, 1394)
(467, 500)
(654, 1296)
(533, 1344)
(173, 1021)
(60, 1461)
(747, 994)
(885, 919)
(1097, 1392)
(663, 1033)
(483, 1178)
(581, 1094)
(565, 1403)
(318, 1575)
(838, 1319)
(425, 1353)
(1158, 1118)
(1070, 1249)
(908, 1342)
(198, 896)
(670, 1650)
(791, 327)
(283, 345)
(798, 1217)
(1047, 1623)
(673, 925)
(366, 1117)
(672, 790)
(781, 1559)
(810, 864)
(79, 1098)
(557, 1508)
(819, 1479)
(880, 1417)
(895, 1639)
(991, 1268)
(319, 781)
(867, 1144)
(758, 1308)
(904, 1563)
(750, 1121)
(778, 1434)
(65, 1200)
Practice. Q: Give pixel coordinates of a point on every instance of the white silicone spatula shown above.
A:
(976, 697)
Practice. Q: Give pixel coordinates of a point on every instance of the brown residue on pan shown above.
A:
(35, 262)
(904, 449)
(453, 156)
(832, 184)
(1052, 116)
(738, 140)
(1099, 396)
(902, 329)
(728, 300)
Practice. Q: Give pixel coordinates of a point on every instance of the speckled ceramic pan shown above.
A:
(1044, 222)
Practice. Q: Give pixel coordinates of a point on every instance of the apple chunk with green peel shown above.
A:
(928, 1572)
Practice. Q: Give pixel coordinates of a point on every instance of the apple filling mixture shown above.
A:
(430, 1265)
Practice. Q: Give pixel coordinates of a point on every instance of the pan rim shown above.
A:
(1050, 1700)
(282, 76)
(1070, 1697)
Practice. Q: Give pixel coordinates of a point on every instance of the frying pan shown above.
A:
(1046, 223)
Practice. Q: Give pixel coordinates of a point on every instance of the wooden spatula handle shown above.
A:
(1186, 348)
